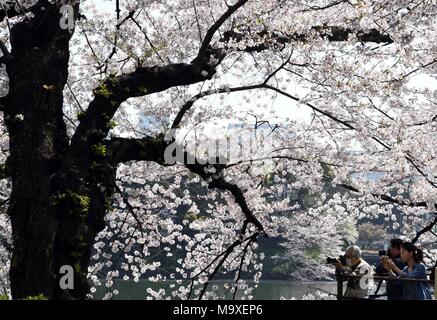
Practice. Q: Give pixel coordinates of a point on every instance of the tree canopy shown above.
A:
(306, 93)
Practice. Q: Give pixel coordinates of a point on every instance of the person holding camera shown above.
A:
(415, 269)
(393, 287)
(357, 287)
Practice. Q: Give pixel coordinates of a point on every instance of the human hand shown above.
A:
(388, 264)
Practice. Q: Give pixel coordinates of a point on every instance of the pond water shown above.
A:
(266, 290)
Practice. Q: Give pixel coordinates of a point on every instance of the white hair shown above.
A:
(354, 250)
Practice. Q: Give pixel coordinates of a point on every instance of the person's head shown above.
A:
(395, 247)
(411, 253)
(353, 255)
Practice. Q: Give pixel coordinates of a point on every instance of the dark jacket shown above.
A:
(394, 288)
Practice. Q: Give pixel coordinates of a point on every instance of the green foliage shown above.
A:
(84, 201)
(94, 165)
(371, 232)
(313, 253)
(108, 204)
(48, 87)
(348, 230)
(4, 297)
(38, 297)
(268, 180)
(77, 268)
(79, 200)
(80, 115)
(280, 267)
(190, 216)
(143, 90)
(112, 124)
(328, 171)
(102, 90)
(4, 171)
(58, 198)
(99, 150)
(76, 254)
(148, 53)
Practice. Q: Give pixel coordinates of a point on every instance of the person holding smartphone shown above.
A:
(415, 269)
(394, 287)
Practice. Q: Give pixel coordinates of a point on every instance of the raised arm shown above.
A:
(419, 272)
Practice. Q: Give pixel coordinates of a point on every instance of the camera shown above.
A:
(384, 253)
(342, 260)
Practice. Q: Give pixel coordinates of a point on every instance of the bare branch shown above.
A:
(223, 259)
(331, 33)
(189, 104)
(7, 57)
(383, 197)
(2, 103)
(117, 9)
(146, 149)
(246, 247)
(12, 12)
(213, 29)
(428, 228)
(320, 8)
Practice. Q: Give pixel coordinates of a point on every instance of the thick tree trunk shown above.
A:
(80, 205)
(54, 219)
(33, 115)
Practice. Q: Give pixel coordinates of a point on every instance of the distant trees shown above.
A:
(368, 232)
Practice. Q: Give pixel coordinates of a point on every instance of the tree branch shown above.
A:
(223, 254)
(6, 54)
(240, 269)
(117, 9)
(330, 5)
(147, 149)
(383, 197)
(231, 248)
(424, 230)
(12, 12)
(153, 149)
(2, 103)
(331, 33)
(213, 29)
(109, 95)
(189, 104)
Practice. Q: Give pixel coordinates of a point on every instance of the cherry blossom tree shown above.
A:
(89, 114)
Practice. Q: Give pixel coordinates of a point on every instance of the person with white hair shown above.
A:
(358, 286)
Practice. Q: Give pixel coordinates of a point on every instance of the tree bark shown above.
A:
(54, 220)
